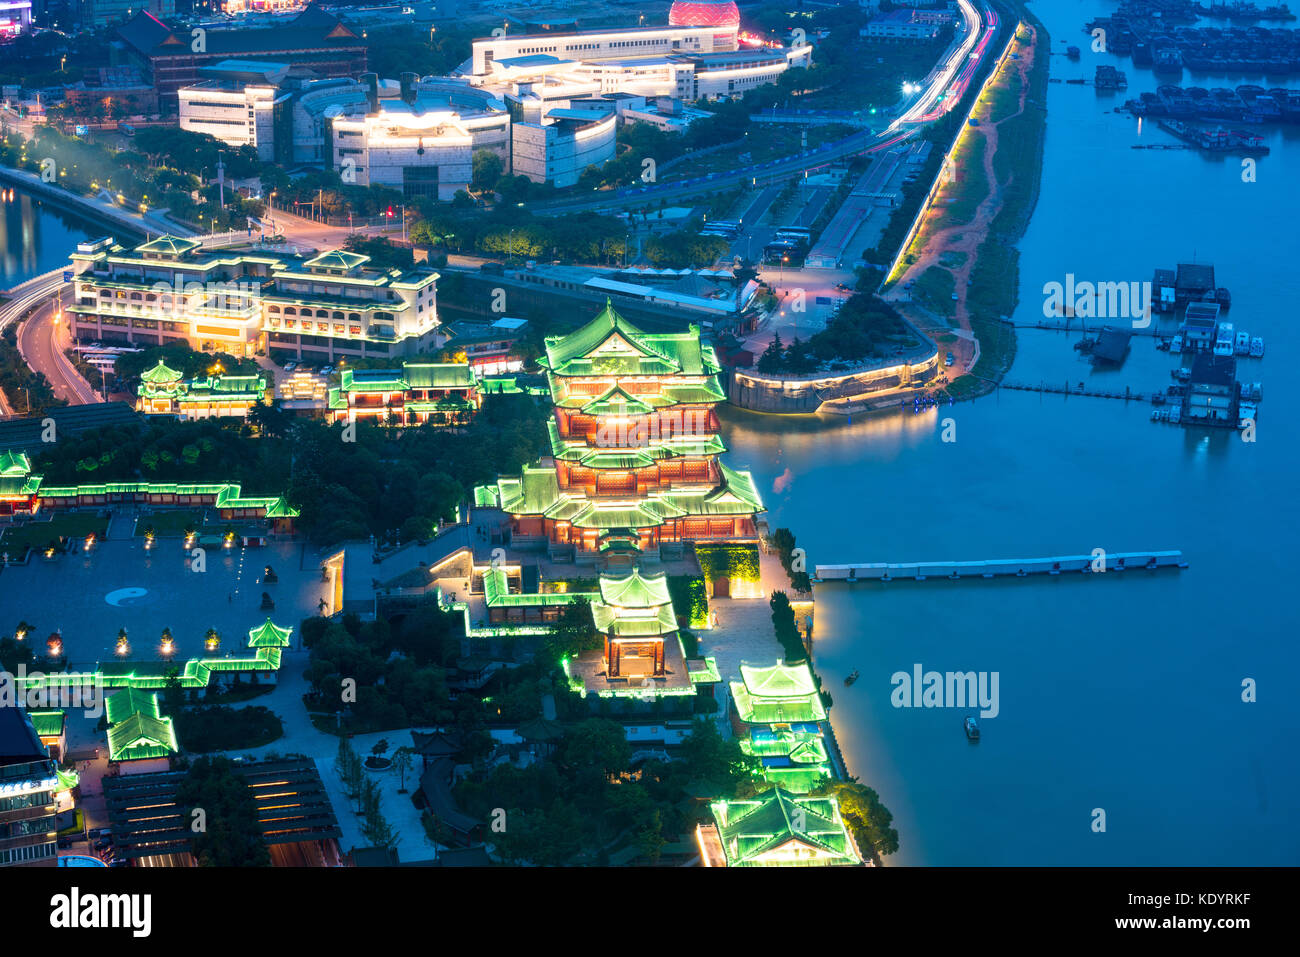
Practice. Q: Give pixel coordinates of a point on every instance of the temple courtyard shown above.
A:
(90, 593)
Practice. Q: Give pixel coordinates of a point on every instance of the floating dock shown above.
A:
(1017, 567)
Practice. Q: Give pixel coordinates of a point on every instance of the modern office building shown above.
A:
(236, 102)
(689, 76)
(258, 299)
(615, 43)
(417, 136)
(15, 18)
(27, 785)
(910, 25)
(563, 144)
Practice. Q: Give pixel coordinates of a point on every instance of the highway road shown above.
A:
(944, 88)
(42, 340)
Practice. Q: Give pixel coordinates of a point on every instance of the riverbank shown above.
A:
(965, 246)
(97, 211)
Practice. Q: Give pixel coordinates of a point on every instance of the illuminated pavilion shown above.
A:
(162, 391)
(635, 461)
(777, 714)
(777, 829)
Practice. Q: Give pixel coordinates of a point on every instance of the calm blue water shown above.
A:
(1120, 692)
(35, 238)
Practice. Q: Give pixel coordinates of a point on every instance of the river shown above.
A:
(35, 237)
(1119, 693)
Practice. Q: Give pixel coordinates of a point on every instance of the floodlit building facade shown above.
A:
(635, 462)
(444, 393)
(332, 306)
(27, 786)
(236, 104)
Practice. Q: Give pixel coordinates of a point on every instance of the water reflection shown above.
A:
(35, 237)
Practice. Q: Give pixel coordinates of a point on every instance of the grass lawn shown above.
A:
(960, 197)
(169, 524)
(934, 289)
(39, 534)
(882, 69)
(765, 142)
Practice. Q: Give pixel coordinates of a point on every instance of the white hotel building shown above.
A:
(236, 105)
(247, 301)
(685, 62)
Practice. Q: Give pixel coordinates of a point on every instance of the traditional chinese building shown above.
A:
(138, 734)
(162, 391)
(777, 714)
(634, 463)
(18, 486)
(634, 616)
(23, 492)
(778, 829)
(445, 393)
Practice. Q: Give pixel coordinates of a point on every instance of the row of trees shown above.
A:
(590, 800)
(170, 168)
(25, 391)
(864, 328)
(344, 489)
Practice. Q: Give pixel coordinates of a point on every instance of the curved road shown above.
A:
(945, 87)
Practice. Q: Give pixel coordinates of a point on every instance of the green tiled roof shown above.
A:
(634, 605)
(48, 724)
(439, 375)
(617, 401)
(777, 694)
(749, 830)
(14, 463)
(337, 259)
(160, 374)
(268, 635)
(610, 345)
(703, 670)
(141, 736)
(635, 590)
(120, 705)
(169, 245)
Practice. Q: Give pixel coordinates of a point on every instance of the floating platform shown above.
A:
(1017, 567)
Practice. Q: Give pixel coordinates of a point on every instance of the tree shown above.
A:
(597, 743)
(402, 761)
(487, 169)
(868, 819)
(231, 835)
(374, 826)
(574, 633)
(773, 359)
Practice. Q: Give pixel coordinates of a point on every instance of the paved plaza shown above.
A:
(89, 594)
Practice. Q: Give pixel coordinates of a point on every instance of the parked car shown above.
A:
(103, 843)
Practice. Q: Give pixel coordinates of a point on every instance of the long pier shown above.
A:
(1017, 567)
(1047, 387)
